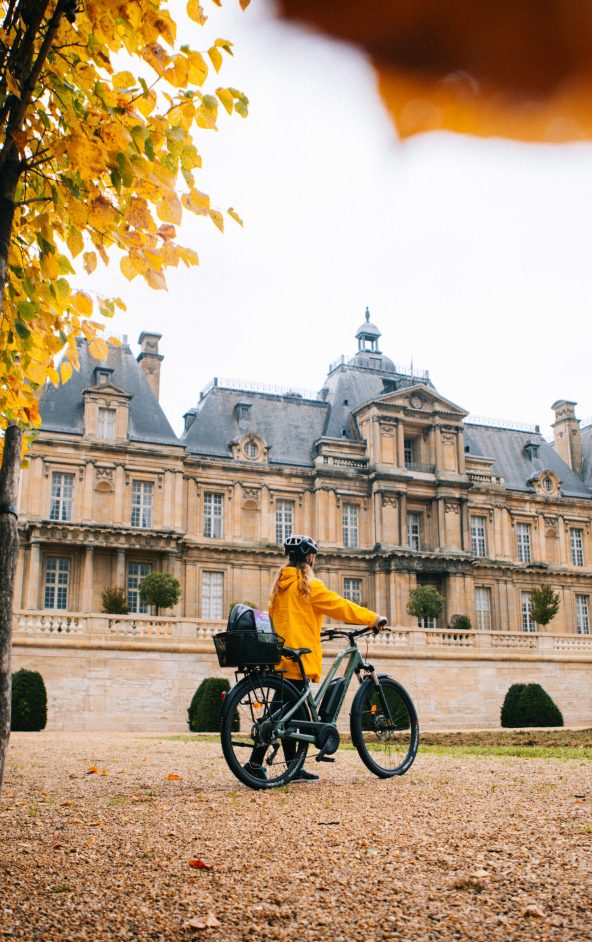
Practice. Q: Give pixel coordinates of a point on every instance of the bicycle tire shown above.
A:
(387, 745)
(255, 700)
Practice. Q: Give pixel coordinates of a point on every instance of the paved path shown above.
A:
(459, 848)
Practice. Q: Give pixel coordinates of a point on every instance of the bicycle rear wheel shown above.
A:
(253, 750)
(384, 727)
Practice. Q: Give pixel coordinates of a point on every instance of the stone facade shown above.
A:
(396, 483)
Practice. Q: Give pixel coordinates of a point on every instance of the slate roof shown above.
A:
(62, 407)
(288, 424)
(365, 377)
(513, 462)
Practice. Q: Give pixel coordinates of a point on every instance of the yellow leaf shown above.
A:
(215, 57)
(91, 769)
(82, 302)
(195, 12)
(90, 262)
(217, 218)
(53, 376)
(65, 371)
(226, 98)
(198, 69)
(75, 242)
(123, 80)
(197, 202)
(155, 279)
(99, 350)
(244, 4)
(232, 212)
(128, 268)
(169, 209)
(12, 84)
(173, 777)
(224, 44)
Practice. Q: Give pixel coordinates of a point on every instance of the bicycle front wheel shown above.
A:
(384, 727)
(252, 748)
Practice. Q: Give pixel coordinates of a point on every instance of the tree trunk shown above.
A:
(9, 479)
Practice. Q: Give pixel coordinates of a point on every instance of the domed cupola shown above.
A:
(367, 336)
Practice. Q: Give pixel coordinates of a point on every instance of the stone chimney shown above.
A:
(566, 431)
(150, 359)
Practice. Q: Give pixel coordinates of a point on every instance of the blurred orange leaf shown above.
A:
(200, 865)
(172, 777)
(91, 769)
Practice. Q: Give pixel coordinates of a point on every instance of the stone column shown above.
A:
(377, 500)
(32, 600)
(441, 522)
(562, 541)
(465, 530)
(400, 444)
(86, 514)
(460, 451)
(403, 541)
(438, 447)
(375, 457)
(120, 495)
(87, 582)
(120, 579)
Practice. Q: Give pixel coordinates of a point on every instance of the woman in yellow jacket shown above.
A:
(297, 605)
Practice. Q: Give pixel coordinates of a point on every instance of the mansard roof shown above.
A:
(289, 423)
(62, 407)
(518, 459)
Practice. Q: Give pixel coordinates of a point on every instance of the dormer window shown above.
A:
(102, 375)
(532, 449)
(547, 485)
(242, 411)
(106, 424)
(251, 449)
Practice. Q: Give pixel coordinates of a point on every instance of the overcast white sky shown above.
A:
(474, 257)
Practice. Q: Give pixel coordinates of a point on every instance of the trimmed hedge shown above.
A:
(205, 710)
(529, 705)
(29, 702)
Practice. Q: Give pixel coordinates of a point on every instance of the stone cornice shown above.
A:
(78, 534)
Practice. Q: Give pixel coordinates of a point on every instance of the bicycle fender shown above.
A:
(362, 690)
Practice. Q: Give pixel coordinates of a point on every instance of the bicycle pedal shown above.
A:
(324, 759)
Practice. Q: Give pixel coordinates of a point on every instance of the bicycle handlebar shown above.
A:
(329, 633)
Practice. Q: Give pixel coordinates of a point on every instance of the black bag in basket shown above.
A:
(249, 639)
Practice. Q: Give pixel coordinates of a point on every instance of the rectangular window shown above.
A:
(478, 545)
(142, 502)
(583, 614)
(408, 450)
(212, 594)
(414, 533)
(352, 590)
(523, 542)
(106, 424)
(351, 521)
(576, 539)
(135, 573)
(526, 611)
(284, 520)
(62, 492)
(483, 607)
(213, 515)
(57, 582)
(426, 622)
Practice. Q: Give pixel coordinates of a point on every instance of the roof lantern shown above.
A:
(367, 336)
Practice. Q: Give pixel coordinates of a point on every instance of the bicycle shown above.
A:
(265, 715)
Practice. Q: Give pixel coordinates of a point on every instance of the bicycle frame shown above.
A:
(355, 663)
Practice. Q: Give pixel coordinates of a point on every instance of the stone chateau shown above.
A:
(400, 487)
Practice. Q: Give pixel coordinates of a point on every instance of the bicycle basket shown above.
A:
(248, 648)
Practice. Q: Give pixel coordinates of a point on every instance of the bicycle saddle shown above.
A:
(294, 653)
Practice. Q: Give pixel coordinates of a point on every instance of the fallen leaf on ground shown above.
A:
(210, 922)
(91, 769)
(172, 777)
(103, 772)
(200, 865)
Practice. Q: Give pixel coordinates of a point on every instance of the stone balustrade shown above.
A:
(150, 630)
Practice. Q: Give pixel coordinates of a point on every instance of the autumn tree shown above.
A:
(544, 605)
(99, 109)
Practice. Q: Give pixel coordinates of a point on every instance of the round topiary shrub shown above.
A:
(460, 623)
(531, 705)
(29, 702)
(509, 713)
(206, 706)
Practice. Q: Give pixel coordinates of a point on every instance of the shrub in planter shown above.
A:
(29, 702)
(206, 706)
(160, 589)
(114, 601)
(460, 623)
(530, 705)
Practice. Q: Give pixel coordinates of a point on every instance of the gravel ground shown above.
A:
(460, 848)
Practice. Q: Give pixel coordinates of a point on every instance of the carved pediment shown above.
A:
(415, 401)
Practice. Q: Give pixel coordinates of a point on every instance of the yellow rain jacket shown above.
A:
(299, 620)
